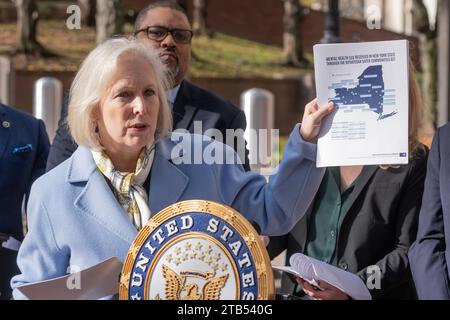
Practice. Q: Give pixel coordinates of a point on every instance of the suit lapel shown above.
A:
(188, 116)
(96, 199)
(300, 231)
(360, 183)
(208, 119)
(186, 110)
(183, 109)
(167, 183)
(4, 132)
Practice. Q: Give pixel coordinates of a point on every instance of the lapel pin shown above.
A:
(6, 124)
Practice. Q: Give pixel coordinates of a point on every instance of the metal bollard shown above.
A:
(258, 106)
(7, 81)
(47, 102)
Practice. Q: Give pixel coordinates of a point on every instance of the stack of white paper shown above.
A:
(96, 282)
(312, 270)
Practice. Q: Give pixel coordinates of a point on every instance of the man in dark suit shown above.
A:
(365, 228)
(24, 149)
(429, 255)
(164, 26)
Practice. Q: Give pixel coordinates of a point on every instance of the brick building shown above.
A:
(262, 21)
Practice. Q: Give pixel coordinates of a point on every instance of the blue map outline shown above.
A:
(369, 89)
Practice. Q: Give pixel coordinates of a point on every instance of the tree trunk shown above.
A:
(109, 19)
(353, 9)
(292, 39)
(384, 13)
(428, 52)
(199, 18)
(359, 9)
(27, 19)
(88, 9)
(443, 38)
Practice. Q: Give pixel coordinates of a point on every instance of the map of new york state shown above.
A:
(368, 91)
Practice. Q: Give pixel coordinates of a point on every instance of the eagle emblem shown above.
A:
(176, 287)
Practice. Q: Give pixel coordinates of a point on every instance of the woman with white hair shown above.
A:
(92, 206)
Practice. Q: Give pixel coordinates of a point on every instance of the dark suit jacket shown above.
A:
(378, 228)
(429, 256)
(24, 149)
(192, 104)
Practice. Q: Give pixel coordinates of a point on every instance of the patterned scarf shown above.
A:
(128, 187)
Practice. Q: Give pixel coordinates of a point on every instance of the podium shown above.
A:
(191, 250)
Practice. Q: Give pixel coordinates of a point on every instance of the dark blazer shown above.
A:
(378, 228)
(429, 256)
(24, 147)
(191, 104)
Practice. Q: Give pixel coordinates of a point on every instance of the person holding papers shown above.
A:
(128, 166)
(429, 255)
(24, 149)
(363, 220)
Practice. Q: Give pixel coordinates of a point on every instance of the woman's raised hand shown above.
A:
(312, 120)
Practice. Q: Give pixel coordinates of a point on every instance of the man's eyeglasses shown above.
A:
(158, 33)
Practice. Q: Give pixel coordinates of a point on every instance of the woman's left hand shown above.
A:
(326, 291)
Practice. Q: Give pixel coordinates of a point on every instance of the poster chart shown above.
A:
(368, 83)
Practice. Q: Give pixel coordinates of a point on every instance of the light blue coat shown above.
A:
(75, 220)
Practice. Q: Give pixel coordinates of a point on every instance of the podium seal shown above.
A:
(197, 250)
